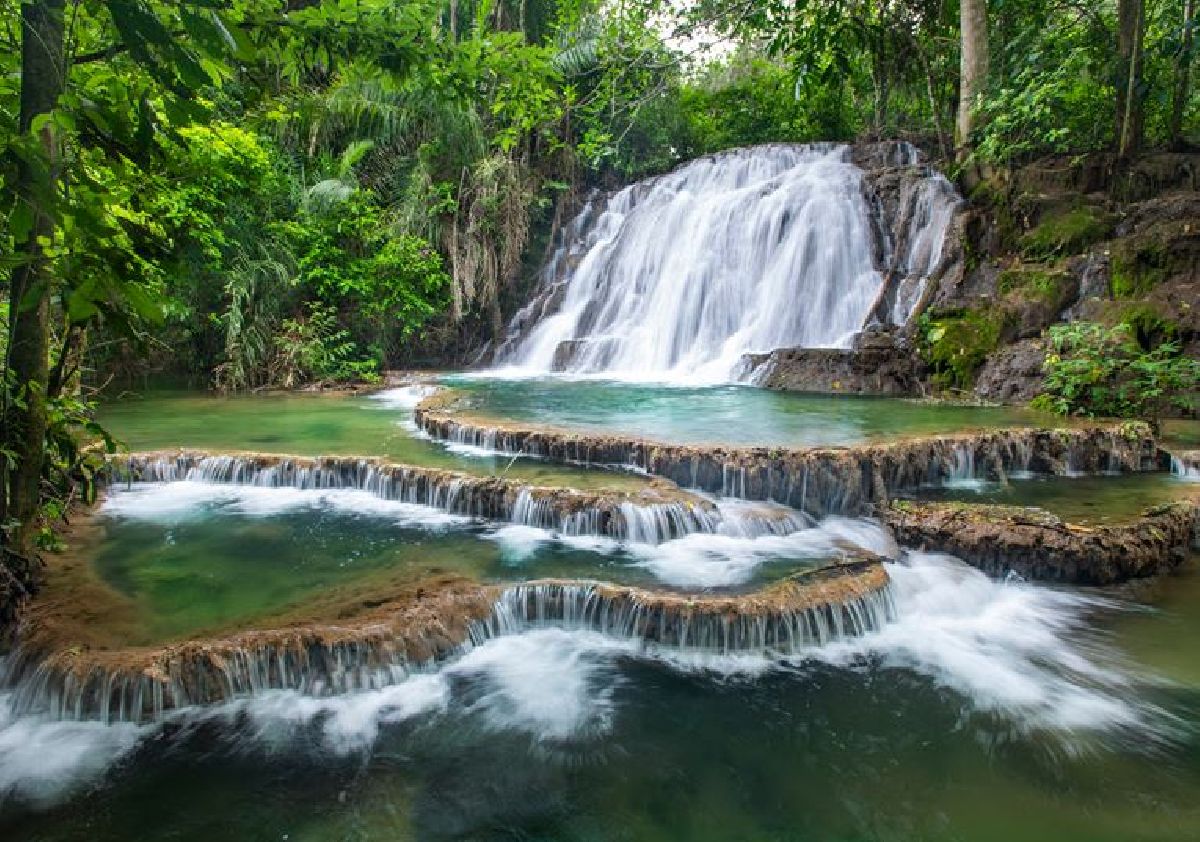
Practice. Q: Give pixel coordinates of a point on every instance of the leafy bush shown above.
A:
(1094, 370)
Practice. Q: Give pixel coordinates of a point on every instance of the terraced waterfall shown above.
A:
(512, 604)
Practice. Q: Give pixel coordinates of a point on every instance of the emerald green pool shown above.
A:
(197, 557)
(741, 415)
(1085, 499)
(318, 425)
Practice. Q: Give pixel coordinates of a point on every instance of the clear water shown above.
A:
(1085, 500)
(194, 557)
(320, 425)
(994, 712)
(740, 415)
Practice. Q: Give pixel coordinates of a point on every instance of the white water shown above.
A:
(1010, 648)
(170, 502)
(741, 252)
(1187, 470)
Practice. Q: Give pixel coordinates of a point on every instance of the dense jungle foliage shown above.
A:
(265, 193)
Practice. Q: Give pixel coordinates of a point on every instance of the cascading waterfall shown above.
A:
(684, 624)
(560, 510)
(741, 252)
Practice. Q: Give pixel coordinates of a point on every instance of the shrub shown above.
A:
(1094, 370)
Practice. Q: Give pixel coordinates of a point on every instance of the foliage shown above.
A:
(1095, 370)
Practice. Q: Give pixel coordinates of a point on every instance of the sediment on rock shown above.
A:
(425, 625)
(656, 513)
(820, 481)
(1038, 545)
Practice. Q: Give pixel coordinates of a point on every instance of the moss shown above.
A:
(1033, 282)
(956, 343)
(1068, 232)
(1138, 265)
(1148, 326)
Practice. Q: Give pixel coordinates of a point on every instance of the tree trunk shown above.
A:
(1131, 18)
(974, 69)
(42, 81)
(1183, 76)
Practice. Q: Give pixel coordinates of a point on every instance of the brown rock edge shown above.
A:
(855, 481)
(410, 629)
(1038, 545)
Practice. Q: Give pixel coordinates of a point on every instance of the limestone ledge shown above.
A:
(379, 642)
(614, 513)
(1038, 545)
(854, 480)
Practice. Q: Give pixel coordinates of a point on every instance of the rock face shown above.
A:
(1014, 373)
(818, 481)
(885, 368)
(1037, 545)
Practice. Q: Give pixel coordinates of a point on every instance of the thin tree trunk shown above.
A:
(1183, 76)
(42, 81)
(973, 69)
(453, 20)
(1131, 17)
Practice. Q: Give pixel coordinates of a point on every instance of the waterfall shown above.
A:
(721, 626)
(746, 251)
(646, 517)
(1186, 465)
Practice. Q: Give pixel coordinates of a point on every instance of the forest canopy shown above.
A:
(260, 193)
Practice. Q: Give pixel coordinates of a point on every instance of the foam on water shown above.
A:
(1011, 649)
(171, 502)
(404, 397)
(44, 760)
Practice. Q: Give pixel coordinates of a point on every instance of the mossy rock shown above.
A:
(1142, 261)
(1038, 281)
(1067, 232)
(1149, 326)
(956, 342)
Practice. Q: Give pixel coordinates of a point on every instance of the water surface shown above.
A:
(1083, 499)
(739, 415)
(321, 425)
(995, 712)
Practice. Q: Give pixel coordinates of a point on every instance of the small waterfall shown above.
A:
(746, 251)
(648, 517)
(716, 625)
(381, 649)
(1186, 465)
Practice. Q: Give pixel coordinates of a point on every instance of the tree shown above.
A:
(43, 77)
(1131, 25)
(974, 70)
(1183, 70)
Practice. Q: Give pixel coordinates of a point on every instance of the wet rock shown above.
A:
(1038, 545)
(881, 370)
(658, 512)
